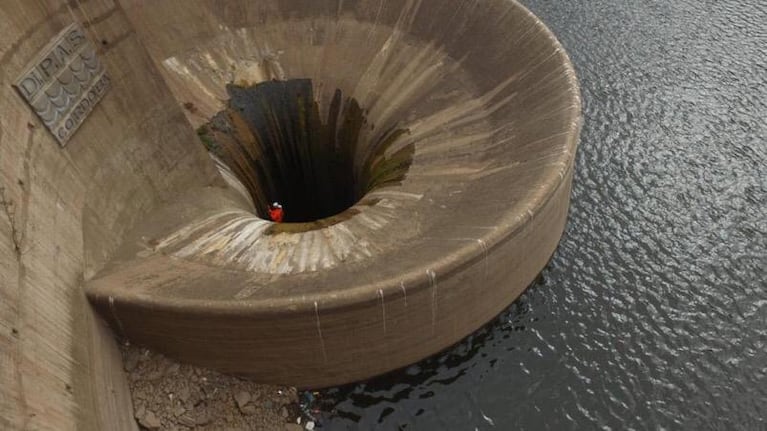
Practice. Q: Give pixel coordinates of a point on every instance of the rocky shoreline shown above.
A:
(167, 395)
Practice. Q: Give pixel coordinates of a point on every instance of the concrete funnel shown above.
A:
(423, 152)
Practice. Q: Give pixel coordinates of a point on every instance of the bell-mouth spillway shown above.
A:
(274, 139)
(423, 151)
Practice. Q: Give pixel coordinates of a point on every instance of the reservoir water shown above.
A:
(653, 312)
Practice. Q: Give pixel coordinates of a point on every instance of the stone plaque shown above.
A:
(64, 82)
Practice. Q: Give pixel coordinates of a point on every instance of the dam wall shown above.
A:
(66, 209)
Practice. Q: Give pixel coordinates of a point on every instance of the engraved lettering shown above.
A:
(29, 86)
(75, 38)
(49, 67)
(41, 85)
(62, 51)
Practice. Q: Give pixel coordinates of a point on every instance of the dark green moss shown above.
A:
(209, 141)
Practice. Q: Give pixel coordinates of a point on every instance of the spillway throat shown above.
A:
(274, 139)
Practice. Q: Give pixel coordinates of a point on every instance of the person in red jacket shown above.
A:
(276, 213)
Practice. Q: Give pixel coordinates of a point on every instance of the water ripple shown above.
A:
(653, 312)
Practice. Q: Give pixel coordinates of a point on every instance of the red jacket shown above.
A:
(276, 214)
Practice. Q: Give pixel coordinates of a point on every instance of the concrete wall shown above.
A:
(66, 210)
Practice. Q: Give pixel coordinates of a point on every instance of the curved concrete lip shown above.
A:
(493, 109)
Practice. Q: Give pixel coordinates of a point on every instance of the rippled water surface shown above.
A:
(653, 312)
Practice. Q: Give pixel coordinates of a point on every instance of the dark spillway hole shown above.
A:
(273, 138)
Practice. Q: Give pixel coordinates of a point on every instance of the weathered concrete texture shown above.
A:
(65, 211)
(492, 106)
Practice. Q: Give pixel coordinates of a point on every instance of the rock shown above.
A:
(178, 411)
(183, 394)
(166, 397)
(242, 398)
(249, 410)
(187, 421)
(202, 419)
(154, 375)
(131, 363)
(150, 421)
(140, 411)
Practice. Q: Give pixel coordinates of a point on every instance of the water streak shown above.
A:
(319, 332)
(383, 310)
(433, 284)
(483, 245)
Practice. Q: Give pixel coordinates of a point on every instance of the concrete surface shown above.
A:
(491, 104)
(135, 209)
(66, 210)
